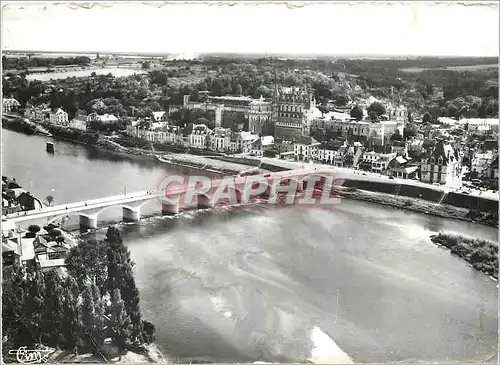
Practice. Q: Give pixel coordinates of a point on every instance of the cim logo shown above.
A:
(304, 189)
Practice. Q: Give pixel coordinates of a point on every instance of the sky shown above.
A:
(385, 29)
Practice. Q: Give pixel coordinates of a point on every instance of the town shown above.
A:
(292, 123)
(435, 130)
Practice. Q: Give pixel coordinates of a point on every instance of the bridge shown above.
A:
(89, 210)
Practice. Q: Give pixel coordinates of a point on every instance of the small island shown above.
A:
(481, 254)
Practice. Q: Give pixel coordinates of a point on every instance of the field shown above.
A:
(450, 68)
(117, 72)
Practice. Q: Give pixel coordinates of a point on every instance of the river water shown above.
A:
(262, 283)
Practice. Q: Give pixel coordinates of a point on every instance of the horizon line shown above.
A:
(264, 54)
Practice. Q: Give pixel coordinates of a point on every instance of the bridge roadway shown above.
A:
(131, 203)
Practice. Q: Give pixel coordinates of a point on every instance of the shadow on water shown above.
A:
(153, 225)
(99, 154)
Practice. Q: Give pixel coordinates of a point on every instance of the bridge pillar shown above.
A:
(204, 202)
(169, 208)
(300, 185)
(89, 222)
(131, 215)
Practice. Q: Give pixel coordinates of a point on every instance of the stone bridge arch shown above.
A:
(206, 200)
(53, 219)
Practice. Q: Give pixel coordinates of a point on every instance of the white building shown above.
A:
(9, 105)
(305, 149)
(442, 166)
(481, 163)
(80, 124)
(326, 154)
(159, 116)
(376, 162)
(220, 139)
(105, 118)
(59, 117)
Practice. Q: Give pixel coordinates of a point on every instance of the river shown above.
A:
(256, 283)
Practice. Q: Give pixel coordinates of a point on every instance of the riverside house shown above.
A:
(441, 166)
(59, 117)
(9, 105)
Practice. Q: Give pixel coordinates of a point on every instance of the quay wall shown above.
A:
(471, 202)
(428, 194)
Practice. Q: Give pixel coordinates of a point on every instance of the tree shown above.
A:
(373, 116)
(33, 228)
(452, 111)
(15, 321)
(121, 324)
(120, 277)
(87, 262)
(357, 112)
(427, 118)
(396, 136)
(70, 323)
(237, 90)
(145, 65)
(376, 107)
(49, 199)
(342, 100)
(35, 307)
(92, 317)
(53, 309)
(323, 109)
(410, 130)
(55, 233)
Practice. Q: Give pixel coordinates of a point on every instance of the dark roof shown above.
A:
(494, 164)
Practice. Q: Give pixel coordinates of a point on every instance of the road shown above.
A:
(82, 206)
(346, 173)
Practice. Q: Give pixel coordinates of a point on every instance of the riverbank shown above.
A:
(412, 204)
(426, 200)
(481, 254)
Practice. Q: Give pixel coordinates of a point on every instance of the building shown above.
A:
(327, 152)
(159, 116)
(79, 122)
(198, 136)
(49, 254)
(376, 161)
(328, 120)
(295, 111)
(480, 166)
(28, 202)
(260, 118)
(59, 117)
(10, 105)
(105, 118)
(492, 171)
(366, 131)
(42, 113)
(11, 254)
(400, 167)
(262, 144)
(305, 149)
(220, 140)
(441, 165)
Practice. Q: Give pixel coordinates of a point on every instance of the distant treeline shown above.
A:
(24, 63)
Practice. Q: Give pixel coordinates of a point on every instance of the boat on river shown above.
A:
(49, 147)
